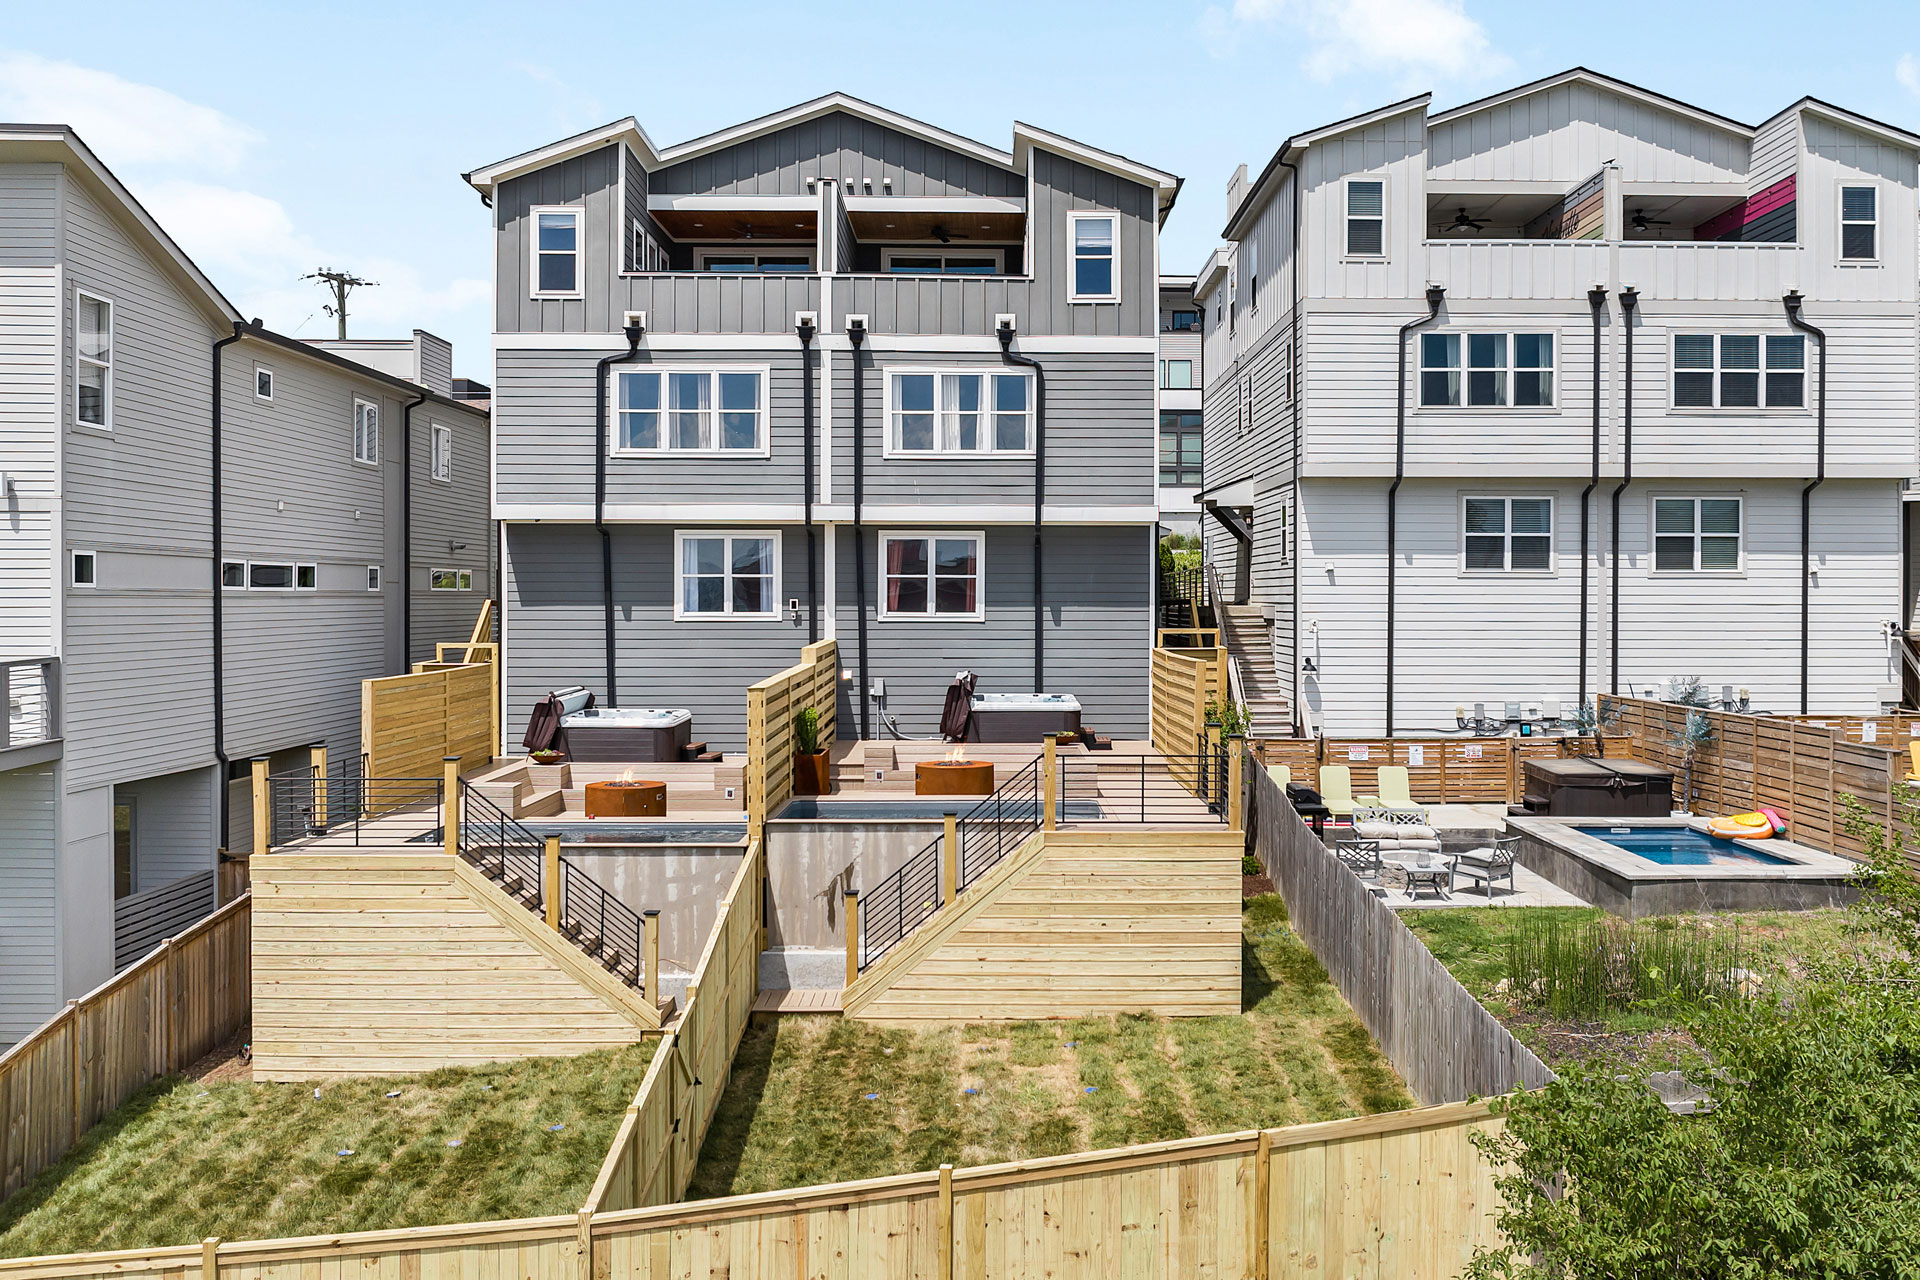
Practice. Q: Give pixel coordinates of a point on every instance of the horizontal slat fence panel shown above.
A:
(142, 920)
(772, 705)
(1439, 770)
(409, 724)
(1184, 680)
(187, 996)
(1437, 1036)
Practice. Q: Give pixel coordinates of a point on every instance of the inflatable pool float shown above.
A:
(1743, 826)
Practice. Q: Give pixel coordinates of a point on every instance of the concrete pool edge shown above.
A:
(1630, 886)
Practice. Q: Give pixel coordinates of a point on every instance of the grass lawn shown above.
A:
(797, 1109)
(185, 1160)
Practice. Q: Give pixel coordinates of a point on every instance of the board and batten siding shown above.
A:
(29, 912)
(1564, 134)
(1833, 154)
(554, 631)
(1098, 595)
(838, 145)
(590, 182)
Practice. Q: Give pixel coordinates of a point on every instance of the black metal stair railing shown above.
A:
(503, 850)
(999, 824)
(603, 927)
(900, 904)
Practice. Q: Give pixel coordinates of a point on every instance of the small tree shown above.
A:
(1694, 736)
(1590, 719)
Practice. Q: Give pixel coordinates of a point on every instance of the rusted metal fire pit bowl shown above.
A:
(953, 778)
(626, 799)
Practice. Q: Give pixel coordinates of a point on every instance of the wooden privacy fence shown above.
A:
(408, 724)
(1439, 770)
(1437, 1036)
(185, 997)
(654, 1150)
(1891, 733)
(1400, 1196)
(1797, 768)
(771, 706)
(1184, 680)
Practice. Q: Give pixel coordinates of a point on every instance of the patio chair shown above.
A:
(1490, 864)
(1362, 857)
(1394, 790)
(1913, 753)
(1281, 775)
(1336, 790)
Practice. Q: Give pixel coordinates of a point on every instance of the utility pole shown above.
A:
(341, 283)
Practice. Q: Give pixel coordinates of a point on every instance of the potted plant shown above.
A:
(809, 757)
(548, 768)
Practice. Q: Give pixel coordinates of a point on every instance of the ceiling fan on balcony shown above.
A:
(1641, 221)
(945, 236)
(1461, 222)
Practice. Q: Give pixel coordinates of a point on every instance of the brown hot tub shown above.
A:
(626, 799)
(953, 778)
(1587, 788)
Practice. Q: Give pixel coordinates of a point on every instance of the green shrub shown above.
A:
(1250, 866)
(806, 731)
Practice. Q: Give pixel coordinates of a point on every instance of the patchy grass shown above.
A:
(183, 1160)
(796, 1111)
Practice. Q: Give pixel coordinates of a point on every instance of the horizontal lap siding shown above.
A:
(1098, 610)
(446, 514)
(29, 414)
(29, 954)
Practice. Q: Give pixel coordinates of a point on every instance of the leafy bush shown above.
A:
(806, 731)
(1250, 866)
(1234, 719)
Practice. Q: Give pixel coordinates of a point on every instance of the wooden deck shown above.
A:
(796, 1000)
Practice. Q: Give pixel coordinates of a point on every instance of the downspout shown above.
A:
(406, 531)
(1597, 298)
(857, 334)
(1007, 353)
(1792, 303)
(1294, 364)
(1436, 294)
(804, 331)
(1629, 300)
(219, 587)
(633, 332)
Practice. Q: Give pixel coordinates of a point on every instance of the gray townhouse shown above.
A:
(1568, 390)
(1182, 379)
(154, 443)
(832, 372)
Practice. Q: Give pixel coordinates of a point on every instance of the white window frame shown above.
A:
(1253, 276)
(1674, 371)
(93, 569)
(311, 572)
(579, 216)
(712, 372)
(1074, 219)
(1653, 546)
(1507, 535)
(979, 539)
(373, 577)
(682, 614)
(369, 457)
(440, 453)
(1841, 223)
(80, 361)
(1347, 253)
(293, 574)
(241, 565)
(891, 449)
(1166, 368)
(758, 249)
(462, 579)
(944, 251)
(259, 369)
(1244, 422)
(1465, 369)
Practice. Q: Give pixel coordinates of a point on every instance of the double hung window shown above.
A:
(692, 411)
(1739, 371)
(727, 575)
(941, 411)
(931, 576)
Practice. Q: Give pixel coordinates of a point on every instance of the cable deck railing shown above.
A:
(1147, 790)
(309, 802)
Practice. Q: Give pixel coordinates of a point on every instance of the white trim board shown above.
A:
(783, 340)
(700, 513)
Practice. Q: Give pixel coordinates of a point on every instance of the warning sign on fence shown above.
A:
(1356, 753)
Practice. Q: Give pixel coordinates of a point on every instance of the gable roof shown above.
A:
(1854, 120)
(1584, 75)
(1259, 191)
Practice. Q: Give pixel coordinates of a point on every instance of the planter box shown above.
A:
(811, 776)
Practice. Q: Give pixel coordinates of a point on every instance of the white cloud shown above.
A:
(125, 123)
(1907, 72)
(1397, 37)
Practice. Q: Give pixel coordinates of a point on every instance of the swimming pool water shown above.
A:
(1682, 846)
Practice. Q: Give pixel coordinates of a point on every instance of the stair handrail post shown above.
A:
(650, 979)
(851, 917)
(450, 804)
(950, 858)
(550, 883)
(1236, 798)
(1051, 784)
(318, 756)
(262, 808)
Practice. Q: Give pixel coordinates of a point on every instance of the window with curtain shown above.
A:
(691, 411)
(442, 453)
(1696, 535)
(931, 576)
(939, 411)
(728, 575)
(1500, 370)
(1507, 535)
(366, 431)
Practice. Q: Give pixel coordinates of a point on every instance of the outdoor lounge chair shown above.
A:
(1913, 753)
(1362, 857)
(1489, 864)
(1336, 790)
(1281, 775)
(1394, 791)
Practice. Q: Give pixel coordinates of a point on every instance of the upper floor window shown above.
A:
(782, 261)
(1176, 375)
(1859, 224)
(442, 453)
(1696, 535)
(727, 575)
(648, 253)
(693, 411)
(914, 262)
(556, 257)
(1246, 404)
(85, 569)
(1253, 275)
(1739, 371)
(93, 357)
(938, 411)
(1096, 256)
(931, 576)
(1233, 295)
(1180, 438)
(1366, 218)
(366, 431)
(1502, 370)
(262, 382)
(1182, 321)
(1506, 535)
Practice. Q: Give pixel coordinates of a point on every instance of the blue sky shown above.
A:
(272, 139)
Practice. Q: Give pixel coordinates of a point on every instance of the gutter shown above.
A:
(1007, 353)
(633, 332)
(1436, 294)
(857, 335)
(1597, 298)
(1792, 303)
(1629, 301)
(406, 531)
(219, 586)
(804, 331)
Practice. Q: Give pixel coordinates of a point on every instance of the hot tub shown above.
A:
(616, 735)
(1588, 788)
(1022, 717)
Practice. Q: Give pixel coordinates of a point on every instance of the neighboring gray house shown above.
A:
(119, 742)
(1181, 382)
(1446, 514)
(818, 430)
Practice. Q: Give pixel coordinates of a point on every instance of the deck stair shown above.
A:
(1243, 629)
